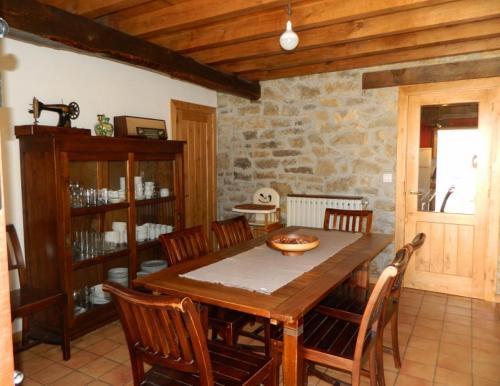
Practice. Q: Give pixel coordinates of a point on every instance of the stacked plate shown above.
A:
(98, 296)
(151, 266)
(119, 275)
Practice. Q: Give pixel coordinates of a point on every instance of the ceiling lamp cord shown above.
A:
(289, 39)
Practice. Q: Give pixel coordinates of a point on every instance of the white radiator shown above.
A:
(307, 210)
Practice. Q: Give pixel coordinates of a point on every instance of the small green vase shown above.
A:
(103, 128)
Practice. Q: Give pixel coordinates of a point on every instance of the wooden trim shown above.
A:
(472, 69)
(34, 22)
(7, 358)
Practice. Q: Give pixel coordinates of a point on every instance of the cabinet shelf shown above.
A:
(95, 309)
(98, 209)
(151, 201)
(79, 264)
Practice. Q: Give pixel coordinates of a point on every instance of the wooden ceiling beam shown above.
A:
(456, 33)
(368, 28)
(271, 23)
(471, 69)
(400, 56)
(32, 21)
(190, 14)
(93, 8)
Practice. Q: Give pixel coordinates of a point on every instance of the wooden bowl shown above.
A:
(292, 244)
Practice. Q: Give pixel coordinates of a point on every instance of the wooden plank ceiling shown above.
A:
(241, 36)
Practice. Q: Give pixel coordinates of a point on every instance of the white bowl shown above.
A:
(153, 265)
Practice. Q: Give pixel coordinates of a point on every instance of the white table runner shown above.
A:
(264, 270)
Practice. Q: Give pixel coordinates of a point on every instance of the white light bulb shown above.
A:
(289, 39)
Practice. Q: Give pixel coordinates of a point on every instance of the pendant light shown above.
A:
(289, 39)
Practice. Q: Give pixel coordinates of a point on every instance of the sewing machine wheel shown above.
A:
(74, 110)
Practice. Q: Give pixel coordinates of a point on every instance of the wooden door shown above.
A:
(447, 186)
(195, 124)
(6, 359)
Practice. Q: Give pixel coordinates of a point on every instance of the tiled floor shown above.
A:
(445, 340)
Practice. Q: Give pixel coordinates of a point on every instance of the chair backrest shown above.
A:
(348, 220)
(162, 330)
(371, 322)
(232, 231)
(15, 255)
(185, 244)
(417, 241)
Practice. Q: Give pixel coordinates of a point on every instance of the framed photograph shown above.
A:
(128, 126)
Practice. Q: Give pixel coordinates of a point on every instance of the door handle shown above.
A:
(417, 193)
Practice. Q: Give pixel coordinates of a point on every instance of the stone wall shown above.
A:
(313, 134)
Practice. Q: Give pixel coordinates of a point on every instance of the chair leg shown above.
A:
(395, 337)
(379, 358)
(373, 367)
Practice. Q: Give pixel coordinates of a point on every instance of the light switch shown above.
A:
(387, 177)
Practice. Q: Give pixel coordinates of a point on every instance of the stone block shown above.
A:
(242, 163)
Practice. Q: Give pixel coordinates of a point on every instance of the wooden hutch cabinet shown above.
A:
(76, 189)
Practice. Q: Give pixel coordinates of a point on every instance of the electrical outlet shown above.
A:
(387, 177)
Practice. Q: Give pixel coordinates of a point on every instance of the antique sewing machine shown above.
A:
(66, 112)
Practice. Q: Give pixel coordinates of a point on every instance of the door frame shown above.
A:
(492, 231)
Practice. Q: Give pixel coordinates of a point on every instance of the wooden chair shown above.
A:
(166, 332)
(345, 345)
(192, 243)
(348, 220)
(232, 232)
(350, 304)
(26, 300)
(351, 221)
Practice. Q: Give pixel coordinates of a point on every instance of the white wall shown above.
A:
(97, 85)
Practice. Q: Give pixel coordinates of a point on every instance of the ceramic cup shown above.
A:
(112, 237)
(164, 192)
(170, 228)
(120, 227)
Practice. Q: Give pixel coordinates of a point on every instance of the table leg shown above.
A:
(293, 364)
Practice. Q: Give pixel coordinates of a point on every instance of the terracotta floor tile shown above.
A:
(458, 301)
(430, 345)
(431, 323)
(463, 340)
(85, 341)
(406, 380)
(98, 383)
(102, 347)
(452, 349)
(459, 311)
(79, 358)
(75, 378)
(417, 370)
(454, 363)
(426, 332)
(34, 365)
(420, 356)
(30, 382)
(461, 320)
(54, 354)
(51, 373)
(486, 345)
(98, 367)
(118, 376)
(119, 354)
(487, 371)
(485, 357)
(447, 377)
(455, 328)
(478, 381)
(41, 348)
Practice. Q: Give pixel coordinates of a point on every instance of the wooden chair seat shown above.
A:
(344, 345)
(25, 301)
(230, 367)
(350, 303)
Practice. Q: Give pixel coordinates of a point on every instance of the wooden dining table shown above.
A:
(286, 305)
